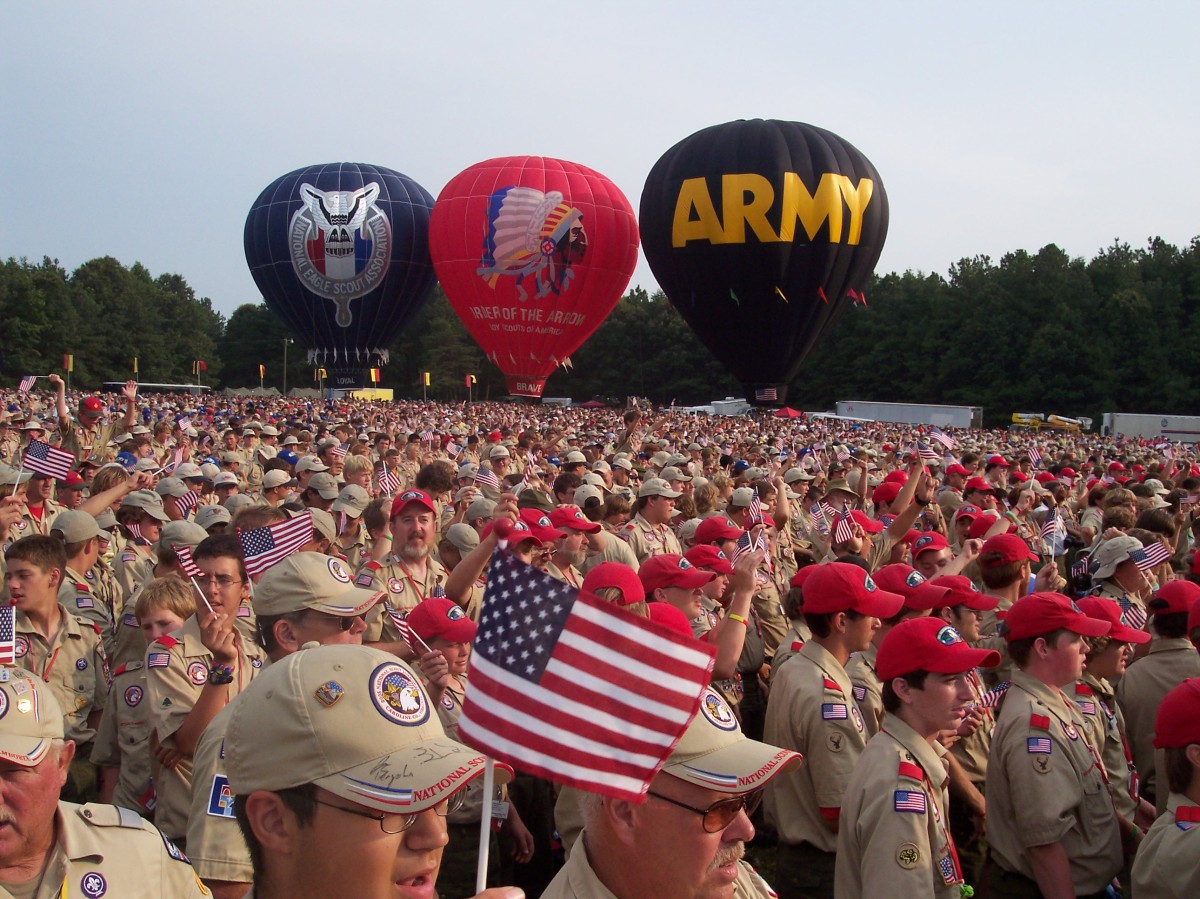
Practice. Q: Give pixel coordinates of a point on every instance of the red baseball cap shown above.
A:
(91, 405)
(412, 496)
(966, 510)
(540, 526)
(1009, 548)
(899, 476)
(671, 570)
(441, 617)
(841, 587)
(958, 468)
(868, 524)
(961, 591)
(573, 518)
(1195, 567)
(931, 540)
(1177, 724)
(982, 524)
(715, 528)
(1044, 477)
(997, 459)
(980, 484)
(73, 481)
(928, 644)
(709, 558)
(801, 576)
(1018, 477)
(668, 616)
(1110, 611)
(1116, 466)
(885, 493)
(614, 574)
(1068, 473)
(1042, 613)
(1179, 596)
(919, 594)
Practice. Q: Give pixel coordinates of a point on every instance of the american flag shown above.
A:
(265, 546)
(188, 502)
(27, 383)
(1149, 556)
(1035, 457)
(180, 455)
(766, 395)
(338, 452)
(183, 424)
(389, 481)
(488, 478)
(1050, 525)
(842, 455)
(1081, 567)
(591, 696)
(186, 562)
(427, 436)
(1168, 452)
(48, 460)
(745, 544)
(135, 531)
(925, 451)
(845, 528)
(403, 628)
(992, 697)
(756, 512)
(453, 449)
(1038, 745)
(8, 635)
(943, 438)
(1132, 615)
(910, 801)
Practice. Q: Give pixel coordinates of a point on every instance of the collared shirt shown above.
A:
(123, 738)
(646, 539)
(867, 687)
(403, 589)
(214, 841)
(1166, 863)
(84, 441)
(75, 594)
(894, 834)
(1106, 729)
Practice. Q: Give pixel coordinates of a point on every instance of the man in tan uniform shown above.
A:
(88, 436)
(649, 533)
(811, 709)
(53, 849)
(687, 838)
(1166, 866)
(896, 804)
(1052, 830)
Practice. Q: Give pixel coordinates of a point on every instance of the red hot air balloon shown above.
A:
(533, 254)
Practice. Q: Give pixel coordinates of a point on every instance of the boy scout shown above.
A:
(191, 675)
(53, 849)
(895, 805)
(811, 710)
(649, 533)
(1052, 830)
(1166, 866)
(81, 536)
(63, 650)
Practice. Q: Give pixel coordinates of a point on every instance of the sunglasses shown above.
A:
(720, 814)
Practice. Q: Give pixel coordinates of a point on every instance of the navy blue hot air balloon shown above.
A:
(761, 233)
(341, 254)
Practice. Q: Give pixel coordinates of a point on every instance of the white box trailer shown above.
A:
(1182, 428)
(914, 413)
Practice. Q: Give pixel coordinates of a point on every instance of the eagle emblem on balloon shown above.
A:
(532, 235)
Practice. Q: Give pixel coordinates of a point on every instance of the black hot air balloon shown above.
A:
(760, 233)
(341, 254)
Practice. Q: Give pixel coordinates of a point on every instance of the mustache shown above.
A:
(730, 853)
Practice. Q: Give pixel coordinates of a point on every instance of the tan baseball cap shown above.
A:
(713, 753)
(148, 501)
(353, 500)
(323, 522)
(657, 487)
(207, 516)
(464, 537)
(311, 581)
(310, 463)
(277, 478)
(354, 721)
(182, 533)
(76, 526)
(324, 484)
(30, 718)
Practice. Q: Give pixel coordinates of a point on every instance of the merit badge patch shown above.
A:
(81, 664)
(717, 712)
(329, 693)
(908, 856)
(910, 801)
(198, 673)
(133, 695)
(220, 798)
(397, 696)
(834, 711)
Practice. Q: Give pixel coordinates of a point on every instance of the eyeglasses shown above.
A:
(720, 814)
(224, 581)
(344, 622)
(398, 823)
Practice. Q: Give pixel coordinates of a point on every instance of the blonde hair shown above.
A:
(355, 464)
(168, 593)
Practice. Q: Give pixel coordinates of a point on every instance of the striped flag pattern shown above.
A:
(265, 546)
(47, 460)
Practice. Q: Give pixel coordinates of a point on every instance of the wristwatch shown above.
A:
(219, 675)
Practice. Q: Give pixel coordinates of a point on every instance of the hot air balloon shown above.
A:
(760, 233)
(340, 252)
(533, 254)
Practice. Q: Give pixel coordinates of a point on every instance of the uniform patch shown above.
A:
(133, 695)
(175, 852)
(397, 696)
(909, 801)
(835, 741)
(858, 718)
(447, 701)
(834, 711)
(158, 659)
(81, 664)
(364, 580)
(1087, 707)
(1041, 764)
(717, 712)
(90, 575)
(1040, 721)
(3, 703)
(946, 867)
(22, 647)
(395, 585)
(198, 673)
(908, 856)
(1038, 744)
(1071, 731)
(329, 693)
(130, 620)
(338, 570)
(908, 769)
(93, 885)
(859, 691)
(129, 556)
(220, 798)
(256, 663)
(84, 601)
(831, 684)
(243, 612)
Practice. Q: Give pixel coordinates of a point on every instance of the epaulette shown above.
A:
(832, 685)
(908, 769)
(373, 565)
(1040, 721)
(169, 641)
(110, 816)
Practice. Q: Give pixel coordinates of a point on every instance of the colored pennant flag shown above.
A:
(593, 697)
(69, 361)
(262, 372)
(8, 635)
(47, 460)
(27, 383)
(265, 546)
(426, 378)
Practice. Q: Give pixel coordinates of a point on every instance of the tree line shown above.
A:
(1040, 332)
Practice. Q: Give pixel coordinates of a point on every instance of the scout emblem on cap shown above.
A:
(3, 703)
(716, 712)
(914, 578)
(93, 885)
(922, 542)
(397, 696)
(338, 570)
(341, 244)
(869, 584)
(948, 636)
(454, 613)
(329, 693)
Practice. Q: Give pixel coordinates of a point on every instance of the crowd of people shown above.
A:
(946, 662)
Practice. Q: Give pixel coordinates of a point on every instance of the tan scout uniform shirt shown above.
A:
(73, 663)
(30, 524)
(577, 880)
(104, 586)
(123, 738)
(176, 673)
(75, 594)
(1106, 731)
(615, 550)
(811, 710)
(103, 850)
(972, 751)
(773, 623)
(1166, 866)
(1037, 797)
(84, 441)
(133, 567)
(989, 638)
(646, 539)
(214, 842)
(894, 836)
(402, 589)
(867, 688)
(1145, 682)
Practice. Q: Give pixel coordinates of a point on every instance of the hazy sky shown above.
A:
(145, 130)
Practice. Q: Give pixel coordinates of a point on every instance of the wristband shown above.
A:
(739, 618)
(219, 675)
(385, 536)
(921, 502)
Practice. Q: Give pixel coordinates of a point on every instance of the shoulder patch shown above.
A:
(909, 801)
(220, 797)
(83, 600)
(908, 769)
(169, 642)
(1041, 745)
(859, 691)
(121, 669)
(158, 660)
(373, 565)
(834, 711)
(129, 556)
(1040, 721)
(110, 816)
(830, 684)
(1083, 690)
(174, 851)
(364, 580)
